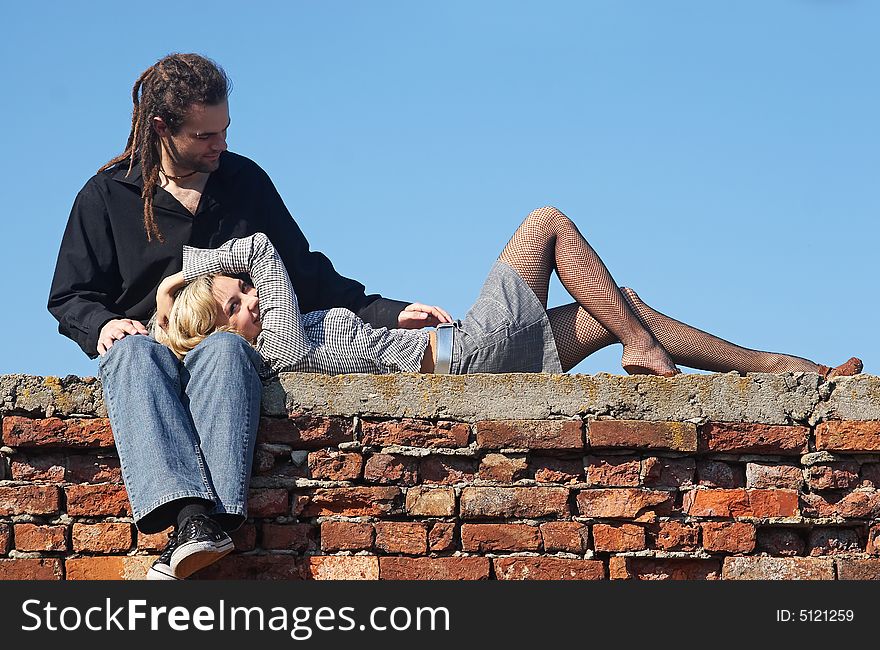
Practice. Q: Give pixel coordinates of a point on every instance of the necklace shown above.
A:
(176, 178)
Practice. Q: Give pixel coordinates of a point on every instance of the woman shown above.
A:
(509, 328)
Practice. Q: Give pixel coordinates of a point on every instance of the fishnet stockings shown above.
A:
(605, 314)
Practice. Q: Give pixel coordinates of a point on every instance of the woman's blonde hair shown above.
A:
(193, 317)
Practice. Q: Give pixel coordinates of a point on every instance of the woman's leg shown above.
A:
(548, 240)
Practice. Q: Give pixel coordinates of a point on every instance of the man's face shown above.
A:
(199, 141)
(237, 306)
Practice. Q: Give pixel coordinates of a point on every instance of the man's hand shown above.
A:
(117, 329)
(417, 315)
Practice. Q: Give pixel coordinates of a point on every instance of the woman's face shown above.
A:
(238, 306)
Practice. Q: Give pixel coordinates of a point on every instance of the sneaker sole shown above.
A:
(197, 556)
(160, 574)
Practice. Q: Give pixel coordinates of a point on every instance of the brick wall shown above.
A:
(484, 477)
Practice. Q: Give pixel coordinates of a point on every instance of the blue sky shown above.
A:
(721, 157)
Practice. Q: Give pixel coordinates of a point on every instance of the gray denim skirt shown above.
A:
(506, 330)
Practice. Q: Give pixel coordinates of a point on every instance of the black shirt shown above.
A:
(107, 269)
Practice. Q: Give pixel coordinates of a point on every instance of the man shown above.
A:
(184, 431)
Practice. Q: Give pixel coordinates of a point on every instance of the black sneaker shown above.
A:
(200, 542)
(161, 569)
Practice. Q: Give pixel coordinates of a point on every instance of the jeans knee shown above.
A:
(224, 345)
(133, 346)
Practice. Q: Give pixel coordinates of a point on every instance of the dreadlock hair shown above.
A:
(167, 90)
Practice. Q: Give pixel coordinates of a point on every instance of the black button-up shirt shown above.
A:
(107, 269)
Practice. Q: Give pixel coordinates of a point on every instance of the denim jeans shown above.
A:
(186, 429)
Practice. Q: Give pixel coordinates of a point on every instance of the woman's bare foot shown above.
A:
(650, 359)
(851, 366)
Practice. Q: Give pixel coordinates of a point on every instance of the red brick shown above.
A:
(415, 433)
(55, 432)
(30, 537)
(29, 500)
(547, 568)
(857, 569)
(728, 537)
(618, 537)
(566, 536)
(782, 542)
(613, 471)
(390, 468)
(4, 538)
(778, 568)
(530, 434)
(48, 467)
(93, 469)
(760, 476)
(353, 501)
(642, 434)
(290, 537)
(447, 469)
(480, 538)
(502, 468)
(433, 568)
(624, 503)
(430, 502)
(346, 536)
(833, 541)
(253, 567)
(557, 470)
(409, 537)
(245, 538)
(101, 538)
(668, 472)
(513, 502)
(108, 567)
(740, 503)
(858, 504)
(268, 502)
(851, 435)
(306, 431)
(329, 567)
(335, 465)
(31, 569)
(90, 500)
(644, 568)
(153, 541)
(715, 474)
(754, 438)
(833, 476)
(675, 536)
(441, 537)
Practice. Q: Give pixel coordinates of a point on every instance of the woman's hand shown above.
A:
(417, 315)
(165, 297)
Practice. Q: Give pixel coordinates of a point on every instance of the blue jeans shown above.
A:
(184, 430)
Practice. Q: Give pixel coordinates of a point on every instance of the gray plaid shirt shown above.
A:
(333, 341)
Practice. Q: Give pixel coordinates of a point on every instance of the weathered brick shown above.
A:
(447, 469)
(29, 500)
(409, 537)
(530, 434)
(783, 542)
(873, 545)
(153, 541)
(567, 536)
(353, 501)
(716, 474)
(108, 567)
(329, 567)
(290, 537)
(48, 467)
(245, 538)
(777, 568)
(760, 476)
(841, 475)
(346, 536)
(91, 468)
(870, 475)
(504, 469)
(857, 569)
(832, 541)
(4, 538)
(430, 502)
(547, 568)
(642, 434)
(753, 438)
(480, 538)
(645, 568)
(415, 433)
(728, 537)
(848, 435)
(90, 500)
(253, 567)
(330, 465)
(499, 502)
(557, 470)
(674, 536)
(31, 569)
(55, 432)
(268, 502)
(306, 431)
(858, 504)
(441, 537)
(388, 468)
(740, 503)
(101, 537)
(613, 471)
(31, 537)
(667, 472)
(624, 503)
(618, 537)
(433, 568)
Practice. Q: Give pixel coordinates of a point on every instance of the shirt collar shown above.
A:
(230, 164)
